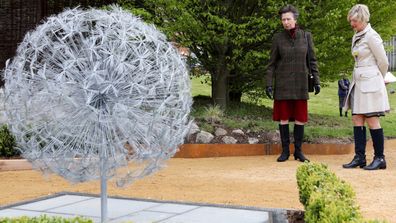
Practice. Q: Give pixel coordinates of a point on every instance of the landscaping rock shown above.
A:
(193, 129)
(264, 137)
(238, 131)
(253, 140)
(220, 132)
(229, 140)
(274, 136)
(204, 137)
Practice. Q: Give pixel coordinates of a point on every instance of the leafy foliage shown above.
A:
(7, 143)
(332, 34)
(213, 113)
(44, 219)
(326, 198)
(231, 39)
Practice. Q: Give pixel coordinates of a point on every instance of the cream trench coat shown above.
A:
(371, 64)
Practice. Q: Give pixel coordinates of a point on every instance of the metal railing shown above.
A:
(391, 53)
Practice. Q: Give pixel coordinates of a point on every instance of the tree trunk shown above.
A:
(220, 87)
(234, 88)
(235, 95)
(220, 75)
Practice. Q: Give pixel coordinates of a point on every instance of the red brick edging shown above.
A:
(222, 150)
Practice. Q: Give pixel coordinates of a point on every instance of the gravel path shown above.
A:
(253, 181)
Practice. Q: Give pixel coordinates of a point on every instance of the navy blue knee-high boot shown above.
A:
(359, 160)
(377, 135)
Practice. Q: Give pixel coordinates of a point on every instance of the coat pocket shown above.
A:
(370, 81)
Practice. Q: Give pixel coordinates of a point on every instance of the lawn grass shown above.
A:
(200, 87)
(324, 120)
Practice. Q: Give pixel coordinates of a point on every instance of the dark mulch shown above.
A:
(295, 216)
(10, 157)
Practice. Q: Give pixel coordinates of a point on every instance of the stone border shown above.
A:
(224, 150)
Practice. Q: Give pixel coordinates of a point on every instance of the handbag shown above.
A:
(310, 75)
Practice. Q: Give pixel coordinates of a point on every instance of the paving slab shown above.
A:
(53, 202)
(220, 215)
(116, 207)
(136, 210)
(173, 208)
(144, 217)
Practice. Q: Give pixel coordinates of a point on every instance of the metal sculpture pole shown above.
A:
(97, 94)
(103, 186)
(103, 191)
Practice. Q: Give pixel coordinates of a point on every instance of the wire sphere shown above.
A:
(91, 85)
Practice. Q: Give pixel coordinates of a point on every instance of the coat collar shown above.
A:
(299, 33)
(364, 31)
(360, 35)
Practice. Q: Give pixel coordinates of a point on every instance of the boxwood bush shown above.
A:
(325, 197)
(7, 143)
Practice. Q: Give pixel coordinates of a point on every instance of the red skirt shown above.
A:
(292, 110)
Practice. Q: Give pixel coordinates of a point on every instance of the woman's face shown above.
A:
(356, 24)
(288, 20)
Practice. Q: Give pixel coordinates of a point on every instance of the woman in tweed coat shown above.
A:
(287, 80)
(367, 96)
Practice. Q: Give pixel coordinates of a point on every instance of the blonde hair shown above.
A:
(360, 12)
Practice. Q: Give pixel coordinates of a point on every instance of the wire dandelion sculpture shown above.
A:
(95, 94)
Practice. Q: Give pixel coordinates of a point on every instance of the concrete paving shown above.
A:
(140, 210)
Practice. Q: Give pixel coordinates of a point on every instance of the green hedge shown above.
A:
(325, 197)
(7, 143)
(45, 219)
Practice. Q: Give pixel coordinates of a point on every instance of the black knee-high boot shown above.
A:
(359, 160)
(340, 112)
(285, 140)
(298, 134)
(377, 135)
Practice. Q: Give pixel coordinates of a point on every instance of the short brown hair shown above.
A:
(289, 8)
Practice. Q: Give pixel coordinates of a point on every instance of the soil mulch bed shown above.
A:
(266, 137)
(295, 216)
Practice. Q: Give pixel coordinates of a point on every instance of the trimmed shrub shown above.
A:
(310, 177)
(45, 219)
(326, 198)
(333, 203)
(7, 143)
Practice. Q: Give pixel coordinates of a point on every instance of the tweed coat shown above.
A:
(371, 64)
(287, 70)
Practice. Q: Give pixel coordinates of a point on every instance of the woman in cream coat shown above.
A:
(367, 97)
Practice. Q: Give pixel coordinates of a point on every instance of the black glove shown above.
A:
(317, 89)
(268, 92)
